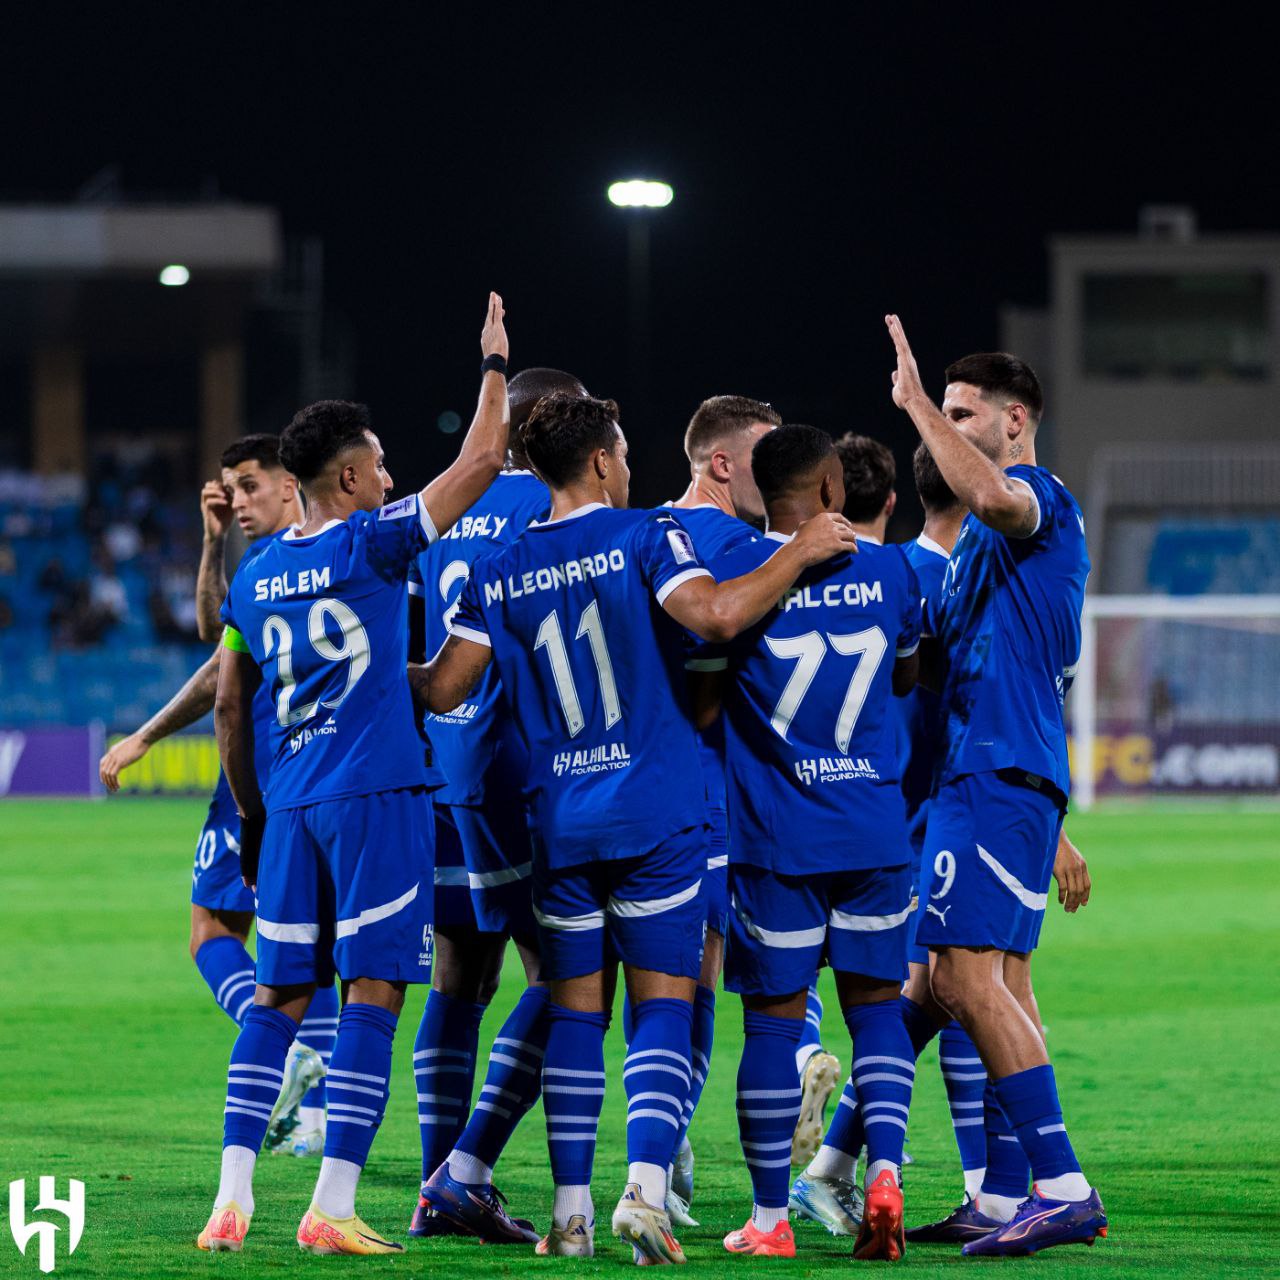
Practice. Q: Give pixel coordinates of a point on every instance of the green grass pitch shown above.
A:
(1160, 997)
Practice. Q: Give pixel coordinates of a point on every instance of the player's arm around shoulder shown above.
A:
(718, 611)
(456, 669)
(485, 448)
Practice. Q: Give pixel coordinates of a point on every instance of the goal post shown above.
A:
(1176, 695)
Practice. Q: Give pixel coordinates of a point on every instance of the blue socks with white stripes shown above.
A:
(254, 1077)
(811, 1032)
(1030, 1101)
(444, 1069)
(511, 1086)
(318, 1031)
(572, 1095)
(358, 1082)
(701, 1041)
(1007, 1175)
(228, 969)
(883, 1075)
(966, 1081)
(657, 1077)
(768, 1108)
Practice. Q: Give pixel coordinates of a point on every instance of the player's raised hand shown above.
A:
(215, 508)
(1072, 874)
(824, 536)
(125, 752)
(906, 378)
(493, 337)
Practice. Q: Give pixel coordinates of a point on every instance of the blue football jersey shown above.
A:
(811, 753)
(1009, 619)
(918, 712)
(477, 737)
(325, 617)
(592, 669)
(714, 534)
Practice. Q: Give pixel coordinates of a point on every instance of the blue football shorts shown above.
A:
(453, 909)
(346, 886)
(715, 886)
(215, 873)
(499, 857)
(989, 853)
(782, 927)
(646, 911)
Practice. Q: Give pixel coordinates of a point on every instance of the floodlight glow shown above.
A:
(640, 193)
(175, 275)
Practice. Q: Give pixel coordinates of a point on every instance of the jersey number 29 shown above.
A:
(277, 638)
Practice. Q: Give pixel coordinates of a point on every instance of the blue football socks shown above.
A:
(444, 1069)
(228, 969)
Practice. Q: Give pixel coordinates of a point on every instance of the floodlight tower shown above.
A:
(639, 196)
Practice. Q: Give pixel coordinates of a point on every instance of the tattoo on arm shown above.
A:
(1028, 516)
(211, 590)
(189, 704)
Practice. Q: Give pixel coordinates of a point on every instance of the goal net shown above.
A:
(1176, 695)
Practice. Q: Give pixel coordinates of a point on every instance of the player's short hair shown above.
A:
(523, 393)
(319, 433)
(999, 373)
(782, 458)
(262, 448)
(935, 493)
(715, 420)
(563, 431)
(869, 475)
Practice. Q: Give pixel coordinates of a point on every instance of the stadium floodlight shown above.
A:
(641, 193)
(174, 275)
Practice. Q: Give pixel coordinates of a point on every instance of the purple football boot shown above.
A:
(958, 1227)
(426, 1222)
(477, 1207)
(1041, 1224)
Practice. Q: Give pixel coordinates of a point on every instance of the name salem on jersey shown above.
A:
(602, 759)
(557, 575)
(833, 594)
(306, 583)
(834, 769)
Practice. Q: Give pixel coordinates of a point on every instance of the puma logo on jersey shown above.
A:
(942, 915)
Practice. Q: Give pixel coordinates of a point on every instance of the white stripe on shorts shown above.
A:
(287, 932)
(632, 910)
(1035, 901)
(868, 924)
(371, 915)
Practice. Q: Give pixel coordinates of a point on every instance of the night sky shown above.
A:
(826, 169)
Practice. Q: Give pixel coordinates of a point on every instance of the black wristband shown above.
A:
(494, 364)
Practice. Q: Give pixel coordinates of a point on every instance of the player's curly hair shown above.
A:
(786, 455)
(563, 431)
(319, 433)
(935, 493)
(869, 475)
(1000, 374)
